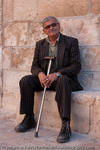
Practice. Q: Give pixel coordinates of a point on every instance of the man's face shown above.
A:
(51, 28)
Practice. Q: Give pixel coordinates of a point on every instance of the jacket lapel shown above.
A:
(45, 49)
(60, 53)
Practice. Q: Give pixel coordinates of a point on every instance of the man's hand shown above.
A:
(42, 77)
(51, 78)
(47, 80)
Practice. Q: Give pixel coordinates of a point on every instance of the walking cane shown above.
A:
(42, 102)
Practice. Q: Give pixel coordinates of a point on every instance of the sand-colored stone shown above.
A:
(24, 10)
(0, 75)
(95, 117)
(96, 6)
(0, 57)
(0, 36)
(21, 58)
(90, 80)
(62, 8)
(80, 117)
(36, 32)
(50, 111)
(90, 58)
(16, 34)
(86, 30)
(11, 81)
(7, 58)
(0, 11)
(8, 10)
(81, 112)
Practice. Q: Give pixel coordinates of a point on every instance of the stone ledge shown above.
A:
(85, 116)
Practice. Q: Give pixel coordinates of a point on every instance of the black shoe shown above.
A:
(65, 132)
(27, 123)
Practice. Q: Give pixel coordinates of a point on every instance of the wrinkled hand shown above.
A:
(46, 81)
(42, 77)
(51, 78)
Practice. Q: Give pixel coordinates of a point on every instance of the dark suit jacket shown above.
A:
(68, 58)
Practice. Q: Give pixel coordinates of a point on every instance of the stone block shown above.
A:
(50, 116)
(95, 117)
(16, 34)
(7, 58)
(0, 36)
(0, 74)
(95, 6)
(0, 11)
(21, 58)
(90, 58)
(80, 118)
(90, 80)
(25, 10)
(36, 32)
(11, 81)
(86, 30)
(8, 10)
(0, 57)
(63, 8)
(81, 104)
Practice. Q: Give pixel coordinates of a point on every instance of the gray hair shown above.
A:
(49, 18)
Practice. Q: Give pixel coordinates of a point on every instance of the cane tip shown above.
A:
(36, 134)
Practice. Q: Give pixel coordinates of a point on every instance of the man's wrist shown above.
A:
(58, 74)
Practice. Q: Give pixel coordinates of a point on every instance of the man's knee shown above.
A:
(24, 80)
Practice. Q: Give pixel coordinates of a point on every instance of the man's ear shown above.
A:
(44, 31)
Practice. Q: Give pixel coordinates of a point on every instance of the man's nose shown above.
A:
(51, 27)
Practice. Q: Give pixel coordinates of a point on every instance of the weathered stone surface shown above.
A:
(96, 6)
(90, 80)
(8, 10)
(21, 58)
(0, 57)
(11, 81)
(16, 34)
(80, 118)
(62, 8)
(10, 102)
(0, 74)
(86, 30)
(25, 10)
(0, 11)
(36, 32)
(0, 36)
(7, 58)
(83, 97)
(95, 117)
(90, 58)
(81, 104)
(50, 111)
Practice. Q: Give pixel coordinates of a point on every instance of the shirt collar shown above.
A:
(57, 40)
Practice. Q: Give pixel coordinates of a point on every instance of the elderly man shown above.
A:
(62, 77)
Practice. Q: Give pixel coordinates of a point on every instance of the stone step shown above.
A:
(85, 116)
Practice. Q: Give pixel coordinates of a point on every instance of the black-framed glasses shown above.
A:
(51, 25)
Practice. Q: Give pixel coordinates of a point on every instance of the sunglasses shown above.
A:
(51, 25)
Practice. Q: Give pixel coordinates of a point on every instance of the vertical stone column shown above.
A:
(1, 50)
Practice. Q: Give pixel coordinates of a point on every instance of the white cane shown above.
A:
(42, 102)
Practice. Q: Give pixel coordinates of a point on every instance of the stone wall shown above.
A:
(21, 22)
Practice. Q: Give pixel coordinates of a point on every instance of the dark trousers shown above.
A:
(63, 87)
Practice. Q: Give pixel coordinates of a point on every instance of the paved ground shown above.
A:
(10, 140)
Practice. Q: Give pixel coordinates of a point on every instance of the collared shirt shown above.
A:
(53, 52)
(53, 47)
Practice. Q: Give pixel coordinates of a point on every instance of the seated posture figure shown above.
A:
(62, 77)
